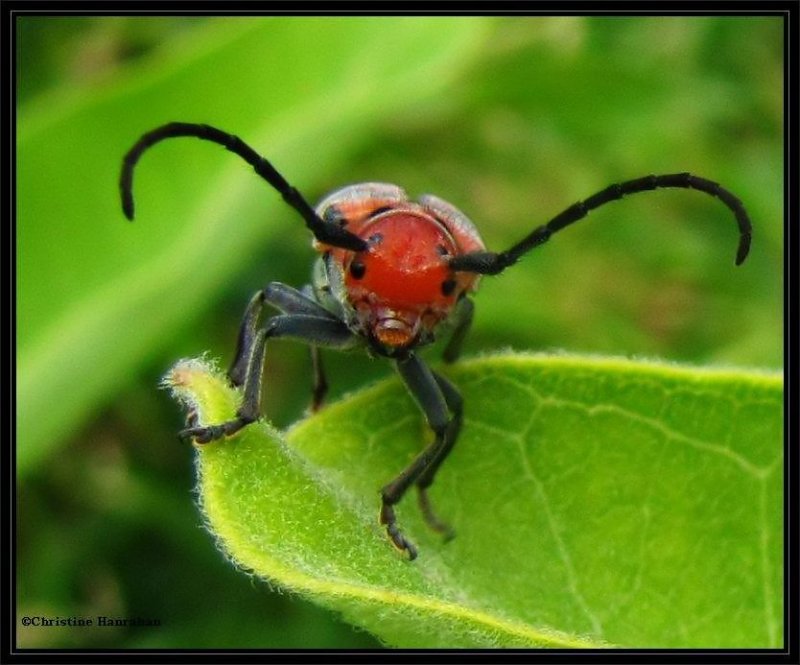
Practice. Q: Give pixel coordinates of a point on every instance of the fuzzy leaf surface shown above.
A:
(597, 502)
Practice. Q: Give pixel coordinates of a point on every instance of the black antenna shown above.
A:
(491, 263)
(325, 232)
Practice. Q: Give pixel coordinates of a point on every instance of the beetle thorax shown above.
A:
(401, 285)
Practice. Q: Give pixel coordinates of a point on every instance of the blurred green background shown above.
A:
(509, 119)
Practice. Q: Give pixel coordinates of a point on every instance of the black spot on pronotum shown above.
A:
(448, 286)
(379, 211)
(441, 250)
(357, 269)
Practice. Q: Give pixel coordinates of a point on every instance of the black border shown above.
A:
(788, 9)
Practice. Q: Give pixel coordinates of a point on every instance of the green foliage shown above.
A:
(598, 501)
(509, 119)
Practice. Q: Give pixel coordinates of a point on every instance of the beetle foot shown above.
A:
(387, 518)
(431, 518)
(212, 432)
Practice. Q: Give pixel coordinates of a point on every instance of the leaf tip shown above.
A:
(199, 386)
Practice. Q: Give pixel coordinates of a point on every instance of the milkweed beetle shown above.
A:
(391, 272)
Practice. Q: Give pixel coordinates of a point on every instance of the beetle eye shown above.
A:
(357, 269)
(448, 286)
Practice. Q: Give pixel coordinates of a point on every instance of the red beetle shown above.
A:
(391, 272)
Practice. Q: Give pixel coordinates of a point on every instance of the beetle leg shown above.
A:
(247, 337)
(248, 411)
(456, 405)
(463, 321)
(428, 394)
(315, 330)
(281, 297)
(320, 387)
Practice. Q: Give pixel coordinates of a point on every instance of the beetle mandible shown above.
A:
(391, 272)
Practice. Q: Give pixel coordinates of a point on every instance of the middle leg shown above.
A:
(320, 386)
(425, 389)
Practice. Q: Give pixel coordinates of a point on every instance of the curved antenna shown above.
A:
(325, 232)
(491, 263)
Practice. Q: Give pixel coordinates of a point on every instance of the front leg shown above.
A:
(456, 405)
(283, 298)
(317, 331)
(426, 390)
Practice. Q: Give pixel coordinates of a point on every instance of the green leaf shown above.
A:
(596, 502)
(97, 295)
